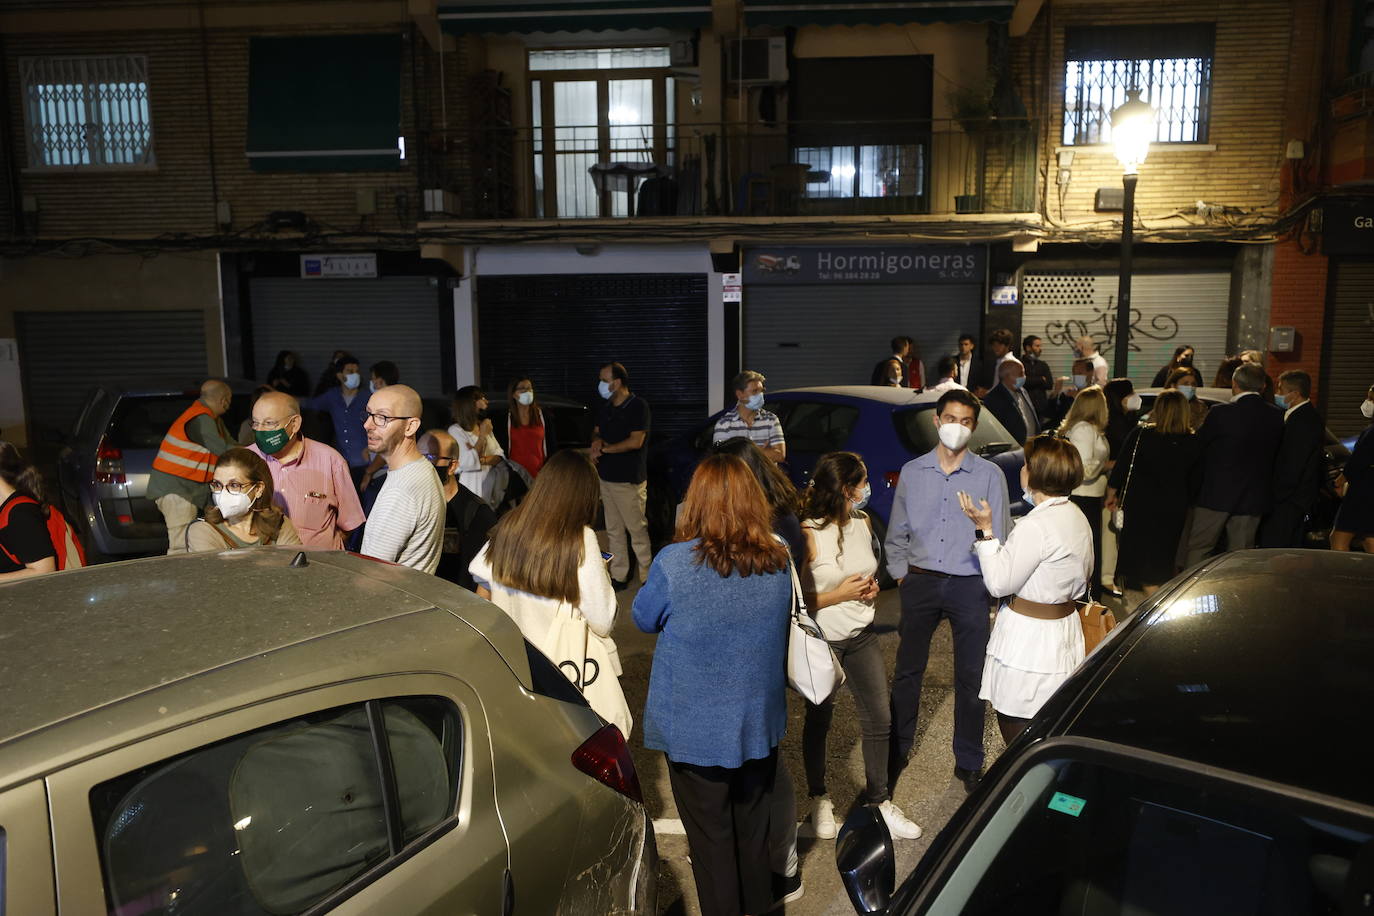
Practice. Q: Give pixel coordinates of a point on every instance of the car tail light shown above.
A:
(124, 519)
(606, 758)
(109, 464)
(891, 477)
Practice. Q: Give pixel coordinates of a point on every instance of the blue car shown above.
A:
(887, 426)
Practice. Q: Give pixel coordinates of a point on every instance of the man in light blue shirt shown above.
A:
(929, 549)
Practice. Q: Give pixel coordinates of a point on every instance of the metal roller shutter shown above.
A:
(559, 329)
(1349, 374)
(395, 318)
(64, 354)
(1173, 309)
(800, 336)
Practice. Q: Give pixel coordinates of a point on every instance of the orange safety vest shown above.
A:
(179, 456)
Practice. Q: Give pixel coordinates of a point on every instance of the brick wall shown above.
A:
(178, 196)
(1254, 53)
(1299, 299)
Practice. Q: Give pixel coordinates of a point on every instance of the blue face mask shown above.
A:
(1188, 391)
(1020, 382)
(754, 401)
(1281, 400)
(604, 389)
(865, 493)
(1080, 381)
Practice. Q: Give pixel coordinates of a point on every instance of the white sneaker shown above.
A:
(823, 819)
(898, 823)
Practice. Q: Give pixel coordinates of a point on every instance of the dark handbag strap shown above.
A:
(1130, 468)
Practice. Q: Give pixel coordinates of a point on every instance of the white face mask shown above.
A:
(604, 389)
(1134, 403)
(352, 380)
(1188, 391)
(1080, 381)
(954, 436)
(1367, 408)
(372, 387)
(864, 494)
(524, 398)
(754, 401)
(233, 506)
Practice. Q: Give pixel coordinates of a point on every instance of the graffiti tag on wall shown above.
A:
(1102, 328)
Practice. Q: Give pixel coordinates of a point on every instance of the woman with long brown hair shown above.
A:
(243, 514)
(543, 560)
(719, 597)
(530, 436)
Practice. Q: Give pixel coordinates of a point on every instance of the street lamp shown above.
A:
(1132, 126)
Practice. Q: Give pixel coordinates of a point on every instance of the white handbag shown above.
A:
(812, 669)
(592, 666)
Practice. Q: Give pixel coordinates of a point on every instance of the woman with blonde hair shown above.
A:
(243, 514)
(1150, 485)
(543, 560)
(1086, 427)
(720, 597)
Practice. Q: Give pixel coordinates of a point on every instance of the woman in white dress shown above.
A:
(481, 460)
(1040, 571)
(1086, 427)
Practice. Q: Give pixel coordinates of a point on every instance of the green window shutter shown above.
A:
(324, 103)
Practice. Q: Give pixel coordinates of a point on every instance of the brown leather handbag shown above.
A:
(1097, 621)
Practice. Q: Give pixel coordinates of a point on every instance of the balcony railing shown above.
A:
(786, 169)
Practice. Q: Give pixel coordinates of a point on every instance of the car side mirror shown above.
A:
(865, 858)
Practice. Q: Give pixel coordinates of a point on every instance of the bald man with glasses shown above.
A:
(310, 481)
(407, 521)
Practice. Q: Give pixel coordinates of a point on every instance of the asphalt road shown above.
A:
(927, 791)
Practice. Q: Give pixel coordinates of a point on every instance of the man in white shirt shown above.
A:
(748, 418)
(1086, 348)
(406, 525)
(946, 371)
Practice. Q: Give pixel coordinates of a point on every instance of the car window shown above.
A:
(1090, 836)
(141, 422)
(274, 821)
(817, 426)
(916, 430)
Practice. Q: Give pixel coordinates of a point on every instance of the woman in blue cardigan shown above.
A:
(720, 597)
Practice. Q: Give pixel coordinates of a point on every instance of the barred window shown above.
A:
(1171, 65)
(87, 111)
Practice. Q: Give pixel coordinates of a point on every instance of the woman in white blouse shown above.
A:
(1040, 571)
(481, 460)
(1086, 427)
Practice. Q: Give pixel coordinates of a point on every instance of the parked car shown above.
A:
(104, 464)
(887, 426)
(269, 731)
(1202, 760)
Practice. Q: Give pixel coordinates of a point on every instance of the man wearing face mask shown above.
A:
(929, 554)
(1298, 466)
(310, 480)
(407, 521)
(186, 459)
(1355, 518)
(1010, 404)
(620, 453)
(346, 406)
(748, 418)
(1066, 388)
(468, 520)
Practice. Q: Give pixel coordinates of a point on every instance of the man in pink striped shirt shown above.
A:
(311, 481)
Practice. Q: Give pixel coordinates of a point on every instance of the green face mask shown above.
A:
(271, 441)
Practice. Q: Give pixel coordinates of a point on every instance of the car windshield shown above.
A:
(140, 421)
(916, 429)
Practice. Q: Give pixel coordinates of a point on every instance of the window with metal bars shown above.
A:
(1171, 65)
(87, 111)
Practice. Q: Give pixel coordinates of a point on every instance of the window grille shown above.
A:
(87, 111)
(1170, 65)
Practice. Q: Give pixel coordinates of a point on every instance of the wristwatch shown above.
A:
(980, 535)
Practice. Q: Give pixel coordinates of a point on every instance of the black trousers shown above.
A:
(1283, 526)
(725, 813)
(1092, 508)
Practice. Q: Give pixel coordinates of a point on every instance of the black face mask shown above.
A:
(1186, 361)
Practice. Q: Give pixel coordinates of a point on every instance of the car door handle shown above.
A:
(507, 894)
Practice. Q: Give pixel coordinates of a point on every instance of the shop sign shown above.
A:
(330, 266)
(1347, 227)
(865, 264)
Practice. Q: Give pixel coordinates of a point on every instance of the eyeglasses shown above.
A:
(439, 461)
(381, 419)
(234, 487)
(268, 426)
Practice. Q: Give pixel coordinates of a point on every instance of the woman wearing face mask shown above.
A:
(1187, 381)
(243, 514)
(1085, 427)
(1123, 414)
(1150, 482)
(1182, 359)
(529, 430)
(1040, 571)
(1066, 388)
(481, 461)
(840, 588)
(1355, 517)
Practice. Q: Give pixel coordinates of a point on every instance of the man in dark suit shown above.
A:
(1039, 378)
(1238, 442)
(1298, 467)
(984, 375)
(1010, 405)
(892, 372)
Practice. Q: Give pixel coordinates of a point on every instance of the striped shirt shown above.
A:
(765, 432)
(407, 521)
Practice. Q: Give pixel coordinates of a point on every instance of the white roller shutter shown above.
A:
(1349, 372)
(1172, 310)
(395, 318)
(834, 335)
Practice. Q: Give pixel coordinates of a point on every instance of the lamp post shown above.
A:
(1132, 125)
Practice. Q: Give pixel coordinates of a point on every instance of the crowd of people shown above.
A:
(1118, 498)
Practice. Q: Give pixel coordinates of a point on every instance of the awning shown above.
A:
(497, 16)
(874, 12)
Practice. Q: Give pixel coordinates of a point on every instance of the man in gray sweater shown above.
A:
(406, 525)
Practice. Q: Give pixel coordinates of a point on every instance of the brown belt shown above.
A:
(1039, 610)
(916, 570)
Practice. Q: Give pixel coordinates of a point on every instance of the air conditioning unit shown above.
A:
(756, 61)
(682, 53)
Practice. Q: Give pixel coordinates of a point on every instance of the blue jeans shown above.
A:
(926, 600)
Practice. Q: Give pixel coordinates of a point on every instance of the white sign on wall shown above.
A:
(334, 266)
